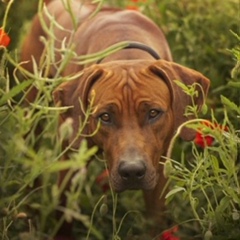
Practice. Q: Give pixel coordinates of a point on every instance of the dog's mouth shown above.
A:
(146, 182)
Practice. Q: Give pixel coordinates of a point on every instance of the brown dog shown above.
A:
(135, 98)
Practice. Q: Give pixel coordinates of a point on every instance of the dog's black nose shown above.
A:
(132, 170)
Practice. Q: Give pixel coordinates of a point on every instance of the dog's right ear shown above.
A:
(75, 95)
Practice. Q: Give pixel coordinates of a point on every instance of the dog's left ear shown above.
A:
(169, 72)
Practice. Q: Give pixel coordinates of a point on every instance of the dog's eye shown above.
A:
(154, 113)
(105, 117)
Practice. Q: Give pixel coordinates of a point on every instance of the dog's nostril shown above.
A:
(140, 174)
(134, 170)
(124, 175)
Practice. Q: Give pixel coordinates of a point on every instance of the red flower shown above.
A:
(203, 140)
(4, 38)
(132, 8)
(102, 180)
(136, 4)
(170, 234)
(138, 1)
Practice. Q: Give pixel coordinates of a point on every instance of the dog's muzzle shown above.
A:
(132, 175)
(133, 172)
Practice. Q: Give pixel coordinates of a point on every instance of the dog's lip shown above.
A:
(119, 189)
(127, 187)
(120, 185)
(122, 188)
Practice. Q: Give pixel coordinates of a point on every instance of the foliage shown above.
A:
(208, 179)
(208, 182)
(14, 23)
(202, 35)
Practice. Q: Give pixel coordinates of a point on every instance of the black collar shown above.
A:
(141, 46)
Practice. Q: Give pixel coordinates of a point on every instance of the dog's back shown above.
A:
(92, 32)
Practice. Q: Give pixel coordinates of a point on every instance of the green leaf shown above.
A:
(204, 109)
(224, 204)
(14, 91)
(234, 84)
(230, 104)
(215, 164)
(174, 191)
(184, 87)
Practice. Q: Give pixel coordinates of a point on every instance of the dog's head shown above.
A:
(139, 108)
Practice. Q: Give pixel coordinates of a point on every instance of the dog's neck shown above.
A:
(140, 46)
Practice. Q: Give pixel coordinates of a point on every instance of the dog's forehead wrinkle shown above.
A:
(133, 93)
(133, 90)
